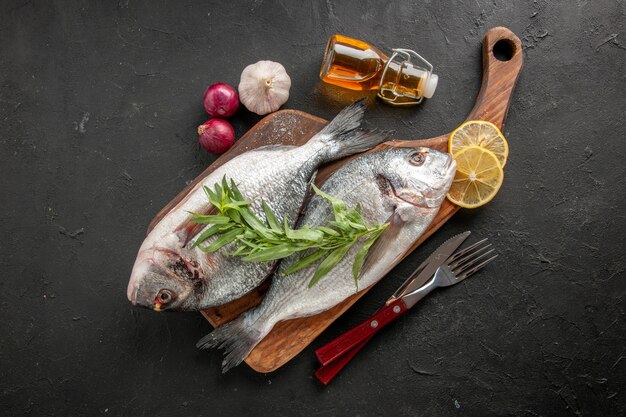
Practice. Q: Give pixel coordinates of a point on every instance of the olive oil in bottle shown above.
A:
(352, 64)
(357, 65)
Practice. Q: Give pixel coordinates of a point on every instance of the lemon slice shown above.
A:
(479, 133)
(478, 178)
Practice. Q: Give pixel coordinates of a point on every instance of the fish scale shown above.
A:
(402, 186)
(171, 274)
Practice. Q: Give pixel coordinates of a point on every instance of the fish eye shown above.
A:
(164, 296)
(418, 158)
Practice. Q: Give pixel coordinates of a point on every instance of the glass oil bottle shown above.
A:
(404, 78)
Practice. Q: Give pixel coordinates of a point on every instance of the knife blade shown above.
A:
(427, 268)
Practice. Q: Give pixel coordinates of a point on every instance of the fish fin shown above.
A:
(187, 230)
(342, 136)
(311, 181)
(382, 244)
(237, 337)
(348, 119)
(357, 141)
(307, 196)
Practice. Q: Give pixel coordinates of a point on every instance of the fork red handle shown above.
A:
(335, 355)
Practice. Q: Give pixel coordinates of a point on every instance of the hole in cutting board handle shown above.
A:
(503, 50)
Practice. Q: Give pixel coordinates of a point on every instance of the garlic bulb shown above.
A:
(264, 87)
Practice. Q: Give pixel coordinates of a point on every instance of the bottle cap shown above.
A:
(430, 86)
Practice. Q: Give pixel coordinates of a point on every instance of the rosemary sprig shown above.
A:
(256, 241)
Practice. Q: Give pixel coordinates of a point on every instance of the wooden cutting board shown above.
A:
(500, 72)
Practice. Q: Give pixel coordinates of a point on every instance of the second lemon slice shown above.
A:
(479, 176)
(479, 133)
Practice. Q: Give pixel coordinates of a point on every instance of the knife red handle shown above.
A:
(326, 373)
(359, 334)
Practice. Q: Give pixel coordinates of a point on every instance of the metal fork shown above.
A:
(459, 266)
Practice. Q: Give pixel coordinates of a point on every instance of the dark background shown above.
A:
(99, 102)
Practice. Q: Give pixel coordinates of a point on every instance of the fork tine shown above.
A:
(468, 256)
(477, 267)
(471, 262)
(462, 252)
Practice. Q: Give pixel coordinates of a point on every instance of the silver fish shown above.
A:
(169, 274)
(402, 186)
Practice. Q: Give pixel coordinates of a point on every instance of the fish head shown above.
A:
(164, 279)
(418, 176)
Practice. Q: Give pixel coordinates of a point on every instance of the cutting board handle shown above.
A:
(502, 64)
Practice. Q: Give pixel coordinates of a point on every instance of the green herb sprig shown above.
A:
(256, 241)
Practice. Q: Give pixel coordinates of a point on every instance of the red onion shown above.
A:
(216, 136)
(220, 100)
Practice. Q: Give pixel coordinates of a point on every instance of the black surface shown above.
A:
(99, 102)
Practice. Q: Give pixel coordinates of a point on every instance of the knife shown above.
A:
(336, 354)
(427, 268)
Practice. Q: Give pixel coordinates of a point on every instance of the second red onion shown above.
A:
(216, 136)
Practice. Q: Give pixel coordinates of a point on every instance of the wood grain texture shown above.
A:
(294, 127)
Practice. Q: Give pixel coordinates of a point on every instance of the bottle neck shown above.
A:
(407, 78)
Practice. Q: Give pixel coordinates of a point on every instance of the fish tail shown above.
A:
(357, 141)
(348, 119)
(343, 135)
(237, 337)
